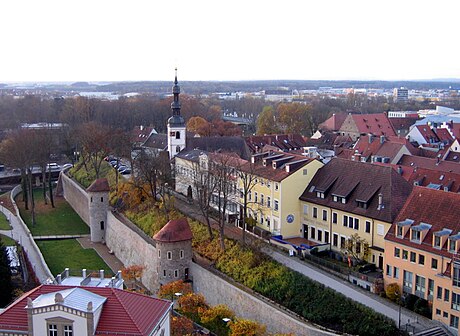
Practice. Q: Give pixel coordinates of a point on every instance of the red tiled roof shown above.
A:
(140, 133)
(377, 124)
(333, 123)
(423, 162)
(402, 123)
(281, 141)
(100, 185)
(453, 156)
(444, 135)
(427, 133)
(123, 312)
(423, 177)
(438, 208)
(175, 230)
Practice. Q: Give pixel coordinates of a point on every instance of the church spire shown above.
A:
(175, 105)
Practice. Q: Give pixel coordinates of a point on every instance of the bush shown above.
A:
(409, 301)
(393, 292)
(422, 307)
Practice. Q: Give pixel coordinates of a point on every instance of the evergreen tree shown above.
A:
(6, 285)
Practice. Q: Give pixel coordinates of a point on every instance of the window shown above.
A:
(445, 314)
(320, 235)
(324, 215)
(256, 198)
(182, 254)
(319, 194)
(269, 203)
(312, 233)
(396, 272)
(350, 222)
(368, 227)
(397, 252)
(262, 201)
(305, 171)
(434, 263)
(430, 288)
(326, 236)
(335, 239)
(438, 311)
(261, 219)
(91, 198)
(405, 254)
(315, 212)
(102, 199)
(342, 242)
(159, 253)
(456, 275)
(413, 257)
(407, 280)
(177, 149)
(399, 231)
(334, 217)
(421, 259)
(305, 209)
(52, 330)
(437, 241)
(420, 286)
(345, 220)
(177, 135)
(356, 223)
(439, 293)
(415, 236)
(455, 301)
(276, 186)
(102, 225)
(276, 205)
(267, 220)
(452, 245)
(454, 321)
(176, 273)
(446, 294)
(388, 270)
(164, 273)
(250, 196)
(68, 330)
(380, 229)
(169, 255)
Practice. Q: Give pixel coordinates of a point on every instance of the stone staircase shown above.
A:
(436, 331)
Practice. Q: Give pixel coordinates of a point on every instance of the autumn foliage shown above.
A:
(181, 326)
(242, 327)
(393, 292)
(168, 291)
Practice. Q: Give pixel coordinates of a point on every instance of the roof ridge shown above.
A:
(121, 302)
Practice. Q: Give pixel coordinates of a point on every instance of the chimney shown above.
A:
(400, 170)
(83, 273)
(58, 279)
(101, 274)
(370, 137)
(382, 139)
(66, 272)
(381, 206)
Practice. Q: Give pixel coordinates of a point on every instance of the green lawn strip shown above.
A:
(7, 241)
(62, 220)
(86, 177)
(4, 225)
(63, 253)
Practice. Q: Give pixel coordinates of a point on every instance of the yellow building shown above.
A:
(277, 181)
(421, 252)
(346, 199)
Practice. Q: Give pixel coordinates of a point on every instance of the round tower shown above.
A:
(98, 194)
(176, 124)
(174, 251)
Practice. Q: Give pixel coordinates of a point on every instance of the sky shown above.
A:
(101, 40)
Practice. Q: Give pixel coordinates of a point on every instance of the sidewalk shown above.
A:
(380, 305)
(113, 262)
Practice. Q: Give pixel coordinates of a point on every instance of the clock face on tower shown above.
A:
(290, 218)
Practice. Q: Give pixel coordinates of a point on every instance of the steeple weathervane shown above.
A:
(175, 105)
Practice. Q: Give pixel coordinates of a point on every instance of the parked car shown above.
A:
(67, 165)
(53, 167)
(367, 268)
(126, 171)
(121, 168)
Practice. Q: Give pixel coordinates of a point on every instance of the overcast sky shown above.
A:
(99, 40)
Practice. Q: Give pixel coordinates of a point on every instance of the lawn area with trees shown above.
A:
(63, 253)
(4, 224)
(60, 220)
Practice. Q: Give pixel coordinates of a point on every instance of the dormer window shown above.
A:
(452, 245)
(437, 242)
(399, 231)
(339, 199)
(361, 204)
(415, 236)
(319, 194)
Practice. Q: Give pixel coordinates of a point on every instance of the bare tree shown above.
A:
(247, 180)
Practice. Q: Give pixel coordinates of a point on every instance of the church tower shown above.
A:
(176, 124)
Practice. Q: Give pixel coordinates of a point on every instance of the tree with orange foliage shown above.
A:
(181, 326)
(199, 125)
(191, 304)
(242, 327)
(133, 274)
(170, 289)
(212, 319)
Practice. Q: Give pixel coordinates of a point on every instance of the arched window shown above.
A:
(177, 135)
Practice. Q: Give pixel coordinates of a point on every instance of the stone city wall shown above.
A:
(76, 196)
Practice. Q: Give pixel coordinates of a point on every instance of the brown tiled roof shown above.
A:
(175, 230)
(100, 185)
(435, 164)
(123, 312)
(284, 142)
(158, 141)
(438, 208)
(280, 172)
(360, 181)
(402, 123)
(224, 144)
(330, 140)
(453, 156)
(443, 180)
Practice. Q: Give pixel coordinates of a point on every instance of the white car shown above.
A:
(53, 167)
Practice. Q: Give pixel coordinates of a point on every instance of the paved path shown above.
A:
(113, 262)
(358, 294)
(24, 238)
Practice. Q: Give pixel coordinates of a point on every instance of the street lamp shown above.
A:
(399, 296)
(226, 319)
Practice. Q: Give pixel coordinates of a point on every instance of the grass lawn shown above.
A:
(4, 225)
(52, 221)
(7, 241)
(63, 253)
